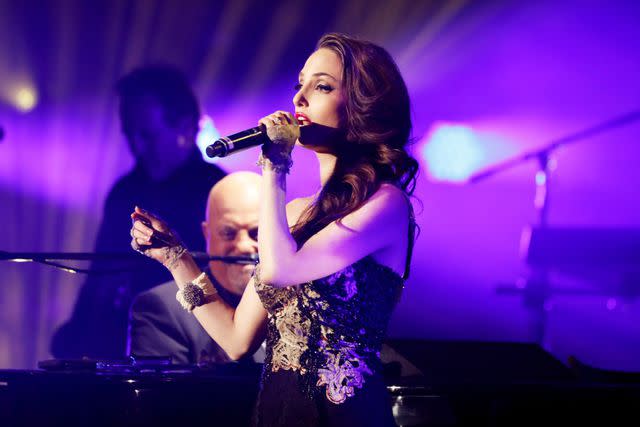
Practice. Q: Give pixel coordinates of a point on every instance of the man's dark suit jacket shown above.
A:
(159, 326)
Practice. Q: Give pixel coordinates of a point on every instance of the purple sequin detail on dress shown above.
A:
(343, 371)
(349, 284)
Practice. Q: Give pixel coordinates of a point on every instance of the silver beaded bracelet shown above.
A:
(199, 291)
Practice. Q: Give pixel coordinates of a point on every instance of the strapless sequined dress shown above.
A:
(322, 366)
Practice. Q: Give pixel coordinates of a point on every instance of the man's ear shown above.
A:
(205, 231)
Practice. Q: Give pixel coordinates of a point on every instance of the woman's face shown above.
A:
(319, 97)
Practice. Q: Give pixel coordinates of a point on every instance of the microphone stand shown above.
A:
(50, 258)
(536, 289)
(552, 146)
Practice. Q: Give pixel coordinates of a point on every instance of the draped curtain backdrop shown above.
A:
(517, 73)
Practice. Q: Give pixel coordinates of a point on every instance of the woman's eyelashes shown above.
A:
(324, 88)
(320, 86)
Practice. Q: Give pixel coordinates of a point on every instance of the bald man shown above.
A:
(158, 325)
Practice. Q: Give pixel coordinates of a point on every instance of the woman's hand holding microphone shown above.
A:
(283, 130)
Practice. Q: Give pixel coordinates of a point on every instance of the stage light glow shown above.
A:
(452, 152)
(207, 135)
(541, 178)
(25, 98)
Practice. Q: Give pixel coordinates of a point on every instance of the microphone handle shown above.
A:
(237, 142)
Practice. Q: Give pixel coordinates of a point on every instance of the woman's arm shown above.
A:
(379, 226)
(238, 331)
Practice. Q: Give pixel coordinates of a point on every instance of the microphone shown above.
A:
(238, 142)
(240, 259)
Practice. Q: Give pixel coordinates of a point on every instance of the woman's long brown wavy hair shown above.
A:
(377, 125)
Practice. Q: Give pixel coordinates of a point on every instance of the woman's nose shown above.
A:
(299, 100)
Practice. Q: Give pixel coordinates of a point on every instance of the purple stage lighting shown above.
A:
(452, 152)
(207, 135)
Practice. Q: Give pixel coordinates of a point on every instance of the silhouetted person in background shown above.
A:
(159, 115)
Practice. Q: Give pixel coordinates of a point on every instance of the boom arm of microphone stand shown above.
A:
(67, 256)
(50, 258)
(47, 257)
(508, 164)
(543, 153)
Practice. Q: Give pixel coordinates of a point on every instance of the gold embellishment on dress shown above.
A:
(294, 330)
(311, 298)
(292, 326)
(343, 371)
(326, 330)
(312, 293)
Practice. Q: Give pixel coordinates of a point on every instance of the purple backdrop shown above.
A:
(515, 75)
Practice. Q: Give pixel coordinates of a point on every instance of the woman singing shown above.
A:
(332, 265)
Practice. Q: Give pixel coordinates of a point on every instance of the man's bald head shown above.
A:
(231, 226)
(234, 191)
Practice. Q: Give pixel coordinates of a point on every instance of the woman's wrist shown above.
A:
(280, 163)
(184, 269)
(173, 255)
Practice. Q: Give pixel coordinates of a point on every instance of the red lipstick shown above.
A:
(302, 119)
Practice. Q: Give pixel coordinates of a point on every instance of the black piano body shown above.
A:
(462, 384)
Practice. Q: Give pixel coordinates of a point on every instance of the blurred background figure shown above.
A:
(158, 325)
(159, 116)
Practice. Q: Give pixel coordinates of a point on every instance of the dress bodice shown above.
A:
(330, 330)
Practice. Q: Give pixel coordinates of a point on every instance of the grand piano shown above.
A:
(430, 383)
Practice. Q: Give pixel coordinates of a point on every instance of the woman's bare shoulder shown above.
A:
(392, 193)
(388, 200)
(387, 206)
